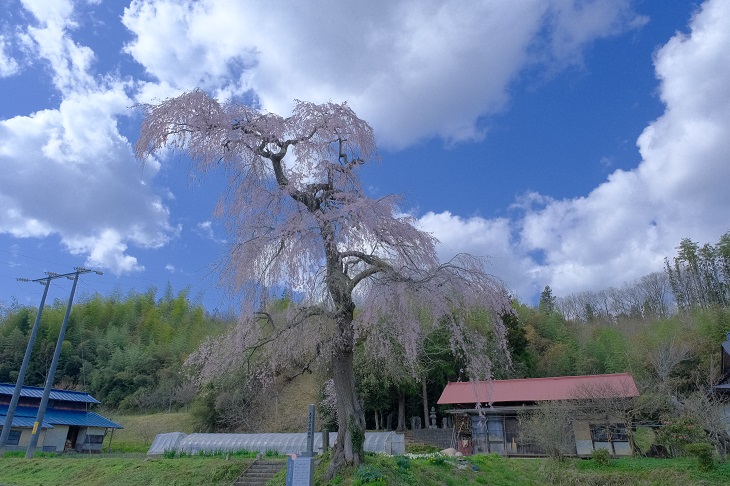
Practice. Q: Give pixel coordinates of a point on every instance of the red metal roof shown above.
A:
(540, 389)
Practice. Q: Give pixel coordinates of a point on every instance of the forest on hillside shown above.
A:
(130, 351)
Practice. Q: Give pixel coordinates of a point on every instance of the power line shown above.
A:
(46, 282)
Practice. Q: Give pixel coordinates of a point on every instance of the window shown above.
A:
(94, 439)
(609, 433)
(612, 437)
(13, 438)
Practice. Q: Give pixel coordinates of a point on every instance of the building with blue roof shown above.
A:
(68, 425)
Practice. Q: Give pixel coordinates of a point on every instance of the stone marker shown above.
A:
(300, 470)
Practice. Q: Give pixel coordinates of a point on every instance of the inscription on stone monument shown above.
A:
(300, 471)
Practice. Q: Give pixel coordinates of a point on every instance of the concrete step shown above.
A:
(259, 473)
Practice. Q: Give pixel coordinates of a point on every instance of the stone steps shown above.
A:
(260, 472)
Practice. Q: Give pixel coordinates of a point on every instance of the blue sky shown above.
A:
(575, 143)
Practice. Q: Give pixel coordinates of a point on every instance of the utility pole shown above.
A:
(46, 282)
(38, 425)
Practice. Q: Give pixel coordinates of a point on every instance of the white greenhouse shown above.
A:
(390, 443)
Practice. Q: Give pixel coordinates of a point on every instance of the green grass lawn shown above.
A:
(396, 471)
(140, 431)
(495, 470)
(105, 471)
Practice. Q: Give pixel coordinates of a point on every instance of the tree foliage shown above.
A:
(126, 351)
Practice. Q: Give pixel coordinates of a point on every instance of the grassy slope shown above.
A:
(284, 407)
(275, 413)
(103, 471)
(140, 430)
(493, 470)
(498, 471)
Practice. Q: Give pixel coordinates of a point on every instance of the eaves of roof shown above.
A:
(25, 417)
(618, 385)
(56, 394)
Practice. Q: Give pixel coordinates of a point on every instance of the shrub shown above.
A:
(368, 474)
(703, 452)
(676, 434)
(421, 449)
(403, 462)
(14, 454)
(601, 457)
(436, 459)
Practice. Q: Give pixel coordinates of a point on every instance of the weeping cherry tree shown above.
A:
(299, 218)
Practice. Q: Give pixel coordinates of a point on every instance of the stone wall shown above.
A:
(440, 438)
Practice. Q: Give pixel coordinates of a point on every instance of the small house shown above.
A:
(68, 425)
(487, 413)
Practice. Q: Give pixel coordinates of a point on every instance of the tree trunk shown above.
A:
(377, 420)
(426, 422)
(350, 419)
(401, 411)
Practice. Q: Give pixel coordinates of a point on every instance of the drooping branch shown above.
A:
(299, 217)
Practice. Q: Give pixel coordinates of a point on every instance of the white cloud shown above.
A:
(70, 172)
(8, 65)
(490, 239)
(413, 69)
(106, 249)
(625, 227)
(56, 12)
(575, 24)
(206, 230)
(70, 63)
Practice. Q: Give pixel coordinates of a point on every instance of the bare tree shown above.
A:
(549, 427)
(299, 218)
(656, 293)
(648, 297)
(664, 356)
(709, 413)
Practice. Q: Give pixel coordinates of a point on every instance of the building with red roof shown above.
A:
(486, 413)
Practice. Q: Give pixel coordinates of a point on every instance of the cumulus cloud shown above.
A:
(490, 239)
(70, 63)
(58, 12)
(625, 227)
(68, 171)
(413, 69)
